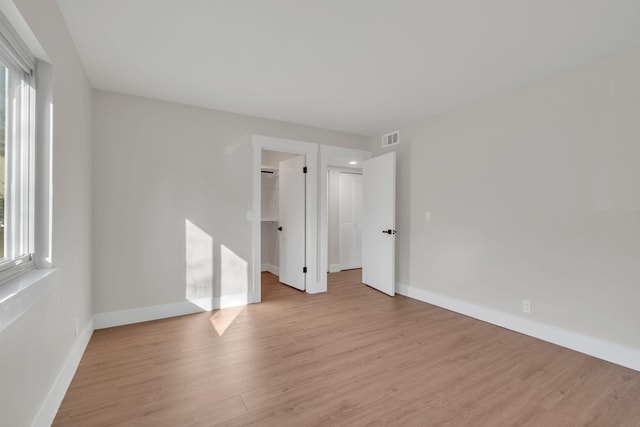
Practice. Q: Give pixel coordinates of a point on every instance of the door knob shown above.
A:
(279, 228)
(389, 231)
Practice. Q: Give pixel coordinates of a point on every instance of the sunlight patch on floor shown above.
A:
(222, 319)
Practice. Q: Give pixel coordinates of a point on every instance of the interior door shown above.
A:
(291, 227)
(350, 214)
(379, 222)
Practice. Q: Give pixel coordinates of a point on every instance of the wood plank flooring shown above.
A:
(350, 357)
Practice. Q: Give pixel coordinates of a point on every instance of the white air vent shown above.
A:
(390, 139)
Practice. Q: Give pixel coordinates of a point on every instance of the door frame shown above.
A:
(310, 151)
(339, 157)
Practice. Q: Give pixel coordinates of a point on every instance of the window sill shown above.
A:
(21, 293)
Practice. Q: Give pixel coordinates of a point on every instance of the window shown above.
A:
(16, 154)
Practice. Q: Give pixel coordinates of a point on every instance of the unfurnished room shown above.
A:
(319, 213)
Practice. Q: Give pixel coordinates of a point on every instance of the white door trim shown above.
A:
(310, 151)
(332, 156)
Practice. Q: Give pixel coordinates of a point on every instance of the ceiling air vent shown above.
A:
(390, 139)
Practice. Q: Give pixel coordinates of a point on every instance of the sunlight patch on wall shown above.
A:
(199, 266)
(234, 276)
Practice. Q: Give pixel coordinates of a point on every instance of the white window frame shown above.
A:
(19, 209)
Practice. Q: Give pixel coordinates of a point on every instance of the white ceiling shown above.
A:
(361, 66)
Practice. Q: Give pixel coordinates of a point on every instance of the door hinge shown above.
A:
(304, 269)
(304, 169)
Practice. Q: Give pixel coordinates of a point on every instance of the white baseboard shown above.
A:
(312, 287)
(156, 312)
(52, 402)
(231, 301)
(254, 298)
(596, 347)
(145, 314)
(273, 269)
(334, 268)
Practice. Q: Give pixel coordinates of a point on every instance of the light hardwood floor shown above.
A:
(350, 357)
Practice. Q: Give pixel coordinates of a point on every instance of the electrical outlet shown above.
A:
(77, 326)
(526, 306)
(427, 216)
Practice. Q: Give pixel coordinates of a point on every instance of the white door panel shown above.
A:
(378, 234)
(350, 213)
(291, 204)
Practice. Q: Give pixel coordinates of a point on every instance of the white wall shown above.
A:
(534, 194)
(157, 164)
(34, 348)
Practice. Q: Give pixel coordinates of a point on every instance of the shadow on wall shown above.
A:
(210, 285)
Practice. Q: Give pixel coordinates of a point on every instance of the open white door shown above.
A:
(291, 196)
(379, 222)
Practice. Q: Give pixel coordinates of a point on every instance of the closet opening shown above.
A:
(284, 216)
(283, 225)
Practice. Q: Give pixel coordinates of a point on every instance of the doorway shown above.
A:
(269, 218)
(284, 151)
(345, 218)
(283, 217)
(340, 160)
